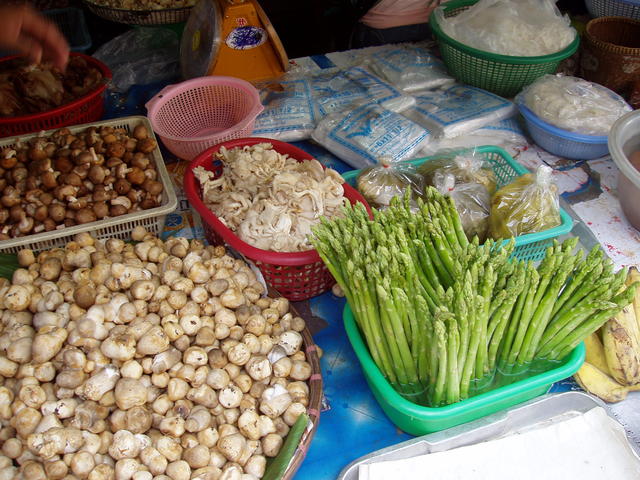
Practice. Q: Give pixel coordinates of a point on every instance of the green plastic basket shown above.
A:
(531, 246)
(503, 75)
(418, 420)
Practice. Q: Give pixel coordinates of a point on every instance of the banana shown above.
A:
(621, 342)
(598, 383)
(595, 352)
(634, 276)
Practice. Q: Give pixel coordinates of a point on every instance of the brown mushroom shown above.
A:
(85, 215)
(117, 210)
(101, 209)
(25, 225)
(140, 132)
(81, 170)
(57, 212)
(41, 213)
(37, 153)
(83, 158)
(46, 198)
(72, 179)
(136, 176)
(115, 149)
(122, 186)
(140, 160)
(96, 174)
(49, 180)
(152, 186)
(8, 162)
(10, 197)
(147, 145)
(100, 194)
(49, 224)
(79, 204)
(32, 182)
(63, 164)
(17, 213)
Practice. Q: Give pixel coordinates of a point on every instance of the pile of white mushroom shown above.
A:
(149, 360)
(270, 200)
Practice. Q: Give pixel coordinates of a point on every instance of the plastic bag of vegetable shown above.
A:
(467, 167)
(529, 204)
(380, 183)
(472, 200)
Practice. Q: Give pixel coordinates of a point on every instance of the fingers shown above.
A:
(25, 30)
(53, 45)
(32, 49)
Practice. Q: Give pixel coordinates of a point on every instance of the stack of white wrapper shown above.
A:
(589, 446)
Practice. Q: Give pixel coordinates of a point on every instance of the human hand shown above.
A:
(24, 30)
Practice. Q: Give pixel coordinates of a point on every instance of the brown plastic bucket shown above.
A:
(611, 53)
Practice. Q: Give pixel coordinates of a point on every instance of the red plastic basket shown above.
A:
(86, 109)
(296, 276)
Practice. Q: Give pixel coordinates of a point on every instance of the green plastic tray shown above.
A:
(531, 246)
(418, 420)
(501, 74)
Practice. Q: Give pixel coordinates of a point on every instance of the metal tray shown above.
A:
(547, 408)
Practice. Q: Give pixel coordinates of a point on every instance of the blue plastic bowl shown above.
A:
(563, 143)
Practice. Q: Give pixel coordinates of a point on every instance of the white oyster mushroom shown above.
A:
(270, 200)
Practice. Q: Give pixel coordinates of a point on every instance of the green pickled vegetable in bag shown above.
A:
(529, 204)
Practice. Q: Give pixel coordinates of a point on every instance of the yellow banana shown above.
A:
(622, 348)
(634, 276)
(595, 352)
(598, 383)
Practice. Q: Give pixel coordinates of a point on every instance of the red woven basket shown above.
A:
(86, 109)
(296, 276)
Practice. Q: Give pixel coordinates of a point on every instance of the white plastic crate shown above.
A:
(116, 227)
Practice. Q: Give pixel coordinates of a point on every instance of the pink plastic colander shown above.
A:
(194, 115)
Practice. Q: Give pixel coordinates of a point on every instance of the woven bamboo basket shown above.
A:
(165, 16)
(315, 398)
(611, 53)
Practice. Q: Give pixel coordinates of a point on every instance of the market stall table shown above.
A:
(352, 423)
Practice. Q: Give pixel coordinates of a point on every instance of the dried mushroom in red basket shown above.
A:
(27, 89)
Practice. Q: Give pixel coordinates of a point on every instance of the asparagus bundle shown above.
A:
(440, 313)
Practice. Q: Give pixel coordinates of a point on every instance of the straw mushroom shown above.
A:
(124, 361)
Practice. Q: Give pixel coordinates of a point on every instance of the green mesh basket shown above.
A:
(531, 246)
(503, 75)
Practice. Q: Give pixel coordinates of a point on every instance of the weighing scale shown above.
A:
(233, 38)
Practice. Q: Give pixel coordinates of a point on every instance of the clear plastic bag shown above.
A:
(379, 184)
(507, 134)
(332, 91)
(466, 167)
(455, 110)
(384, 93)
(472, 200)
(288, 114)
(574, 104)
(510, 27)
(366, 133)
(529, 204)
(155, 57)
(410, 68)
